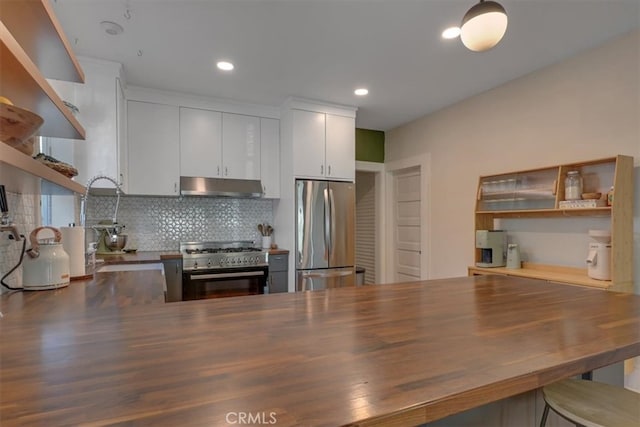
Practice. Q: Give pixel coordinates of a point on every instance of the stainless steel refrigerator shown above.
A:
(325, 234)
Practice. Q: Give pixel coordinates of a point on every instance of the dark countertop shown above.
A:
(139, 257)
(109, 351)
(156, 256)
(278, 252)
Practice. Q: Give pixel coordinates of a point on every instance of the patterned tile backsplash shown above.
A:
(161, 223)
(23, 211)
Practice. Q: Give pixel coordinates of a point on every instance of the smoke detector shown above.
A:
(111, 28)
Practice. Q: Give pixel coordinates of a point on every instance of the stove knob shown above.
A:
(233, 260)
(208, 263)
(195, 264)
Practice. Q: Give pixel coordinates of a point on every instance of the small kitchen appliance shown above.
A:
(492, 244)
(111, 240)
(599, 257)
(47, 266)
(513, 256)
(222, 269)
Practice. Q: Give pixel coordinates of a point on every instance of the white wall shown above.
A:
(587, 107)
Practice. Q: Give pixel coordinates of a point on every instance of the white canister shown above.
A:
(73, 243)
(47, 266)
(266, 242)
(513, 256)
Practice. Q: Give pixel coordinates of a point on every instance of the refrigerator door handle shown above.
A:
(312, 274)
(332, 224)
(327, 224)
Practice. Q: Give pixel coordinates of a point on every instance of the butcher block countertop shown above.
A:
(108, 351)
(139, 257)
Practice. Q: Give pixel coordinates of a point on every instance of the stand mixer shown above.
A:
(110, 240)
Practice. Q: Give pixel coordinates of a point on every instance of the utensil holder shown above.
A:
(266, 242)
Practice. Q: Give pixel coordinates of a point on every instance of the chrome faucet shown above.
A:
(10, 228)
(85, 197)
(5, 223)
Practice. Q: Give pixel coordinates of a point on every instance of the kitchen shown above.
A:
(612, 103)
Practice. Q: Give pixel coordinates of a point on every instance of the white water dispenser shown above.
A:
(599, 257)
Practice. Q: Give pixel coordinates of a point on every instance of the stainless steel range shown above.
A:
(222, 269)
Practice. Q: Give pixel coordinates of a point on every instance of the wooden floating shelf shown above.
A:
(23, 162)
(35, 27)
(551, 213)
(552, 273)
(22, 82)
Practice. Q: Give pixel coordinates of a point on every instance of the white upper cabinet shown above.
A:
(219, 145)
(270, 157)
(324, 145)
(99, 101)
(340, 147)
(153, 133)
(309, 144)
(200, 143)
(240, 146)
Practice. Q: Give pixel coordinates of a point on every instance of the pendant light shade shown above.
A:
(483, 26)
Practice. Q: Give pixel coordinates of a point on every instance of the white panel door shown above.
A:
(240, 146)
(154, 151)
(270, 157)
(200, 143)
(308, 144)
(340, 147)
(407, 224)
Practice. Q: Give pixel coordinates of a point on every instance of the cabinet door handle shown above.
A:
(175, 187)
(329, 170)
(321, 169)
(226, 172)
(218, 171)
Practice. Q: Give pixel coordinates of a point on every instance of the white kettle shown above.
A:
(47, 266)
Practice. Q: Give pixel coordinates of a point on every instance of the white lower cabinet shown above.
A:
(270, 157)
(153, 133)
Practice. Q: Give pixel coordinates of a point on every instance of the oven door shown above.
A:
(221, 283)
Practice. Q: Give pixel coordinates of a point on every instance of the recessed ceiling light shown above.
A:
(361, 91)
(111, 28)
(451, 33)
(225, 66)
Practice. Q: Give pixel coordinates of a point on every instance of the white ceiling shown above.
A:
(324, 49)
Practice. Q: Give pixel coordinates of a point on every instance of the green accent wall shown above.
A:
(370, 145)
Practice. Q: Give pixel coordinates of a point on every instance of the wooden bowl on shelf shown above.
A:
(17, 127)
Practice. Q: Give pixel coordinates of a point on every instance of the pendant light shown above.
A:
(483, 26)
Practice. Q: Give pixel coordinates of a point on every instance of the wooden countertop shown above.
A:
(405, 353)
(278, 252)
(139, 257)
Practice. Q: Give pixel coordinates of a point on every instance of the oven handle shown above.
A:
(226, 275)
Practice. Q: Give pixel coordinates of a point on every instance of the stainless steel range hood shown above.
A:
(193, 186)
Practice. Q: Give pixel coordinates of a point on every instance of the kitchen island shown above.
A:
(399, 354)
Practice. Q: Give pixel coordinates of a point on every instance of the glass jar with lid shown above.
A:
(573, 186)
